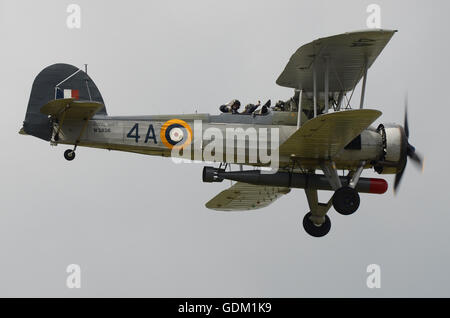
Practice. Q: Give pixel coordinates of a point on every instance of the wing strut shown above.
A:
(363, 90)
(339, 100)
(327, 68)
(61, 123)
(299, 116)
(315, 88)
(355, 178)
(83, 129)
(330, 171)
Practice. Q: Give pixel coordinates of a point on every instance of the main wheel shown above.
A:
(69, 154)
(316, 230)
(346, 200)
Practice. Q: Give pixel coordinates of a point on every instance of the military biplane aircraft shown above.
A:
(318, 130)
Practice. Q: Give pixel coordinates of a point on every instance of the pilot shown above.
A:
(224, 109)
(280, 106)
(250, 108)
(265, 107)
(235, 105)
(231, 107)
(264, 110)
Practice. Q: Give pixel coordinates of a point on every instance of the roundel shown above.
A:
(176, 133)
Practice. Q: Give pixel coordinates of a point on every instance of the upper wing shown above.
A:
(244, 196)
(325, 135)
(82, 110)
(347, 56)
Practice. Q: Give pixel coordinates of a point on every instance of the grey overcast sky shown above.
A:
(137, 225)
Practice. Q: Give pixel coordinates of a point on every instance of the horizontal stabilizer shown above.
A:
(73, 109)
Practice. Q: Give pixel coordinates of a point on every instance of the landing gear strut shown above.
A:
(346, 200)
(69, 154)
(316, 223)
(316, 230)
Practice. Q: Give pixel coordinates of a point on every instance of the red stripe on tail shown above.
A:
(75, 94)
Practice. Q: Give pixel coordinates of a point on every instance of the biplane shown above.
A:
(323, 143)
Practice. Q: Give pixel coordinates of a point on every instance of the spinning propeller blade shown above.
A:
(410, 151)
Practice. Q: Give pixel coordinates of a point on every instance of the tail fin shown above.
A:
(53, 82)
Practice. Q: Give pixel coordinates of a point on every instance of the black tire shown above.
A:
(346, 200)
(314, 230)
(69, 154)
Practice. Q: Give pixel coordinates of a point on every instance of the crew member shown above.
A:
(250, 108)
(231, 107)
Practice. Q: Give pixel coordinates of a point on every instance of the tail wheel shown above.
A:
(316, 230)
(69, 154)
(346, 200)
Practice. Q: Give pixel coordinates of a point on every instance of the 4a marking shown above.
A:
(150, 135)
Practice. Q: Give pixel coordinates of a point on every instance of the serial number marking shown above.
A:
(102, 130)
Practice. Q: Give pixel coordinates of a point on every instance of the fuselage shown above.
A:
(220, 138)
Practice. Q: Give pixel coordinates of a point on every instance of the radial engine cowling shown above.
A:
(395, 145)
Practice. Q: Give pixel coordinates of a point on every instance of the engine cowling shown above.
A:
(395, 144)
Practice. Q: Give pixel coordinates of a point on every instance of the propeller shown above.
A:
(410, 152)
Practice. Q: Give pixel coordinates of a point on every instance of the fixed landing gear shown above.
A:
(346, 200)
(69, 154)
(314, 229)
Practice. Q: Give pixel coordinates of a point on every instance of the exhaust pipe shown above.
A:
(291, 180)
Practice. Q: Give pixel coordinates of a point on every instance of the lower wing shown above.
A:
(243, 196)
